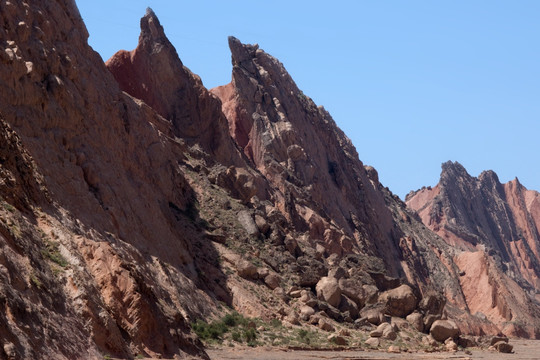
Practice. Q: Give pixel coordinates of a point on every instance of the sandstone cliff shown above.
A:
(135, 202)
(496, 228)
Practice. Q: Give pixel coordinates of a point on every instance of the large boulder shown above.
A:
(416, 321)
(503, 347)
(328, 290)
(384, 330)
(373, 315)
(400, 301)
(432, 304)
(272, 281)
(353, 289)
(246, 220)
(347, 305)
(444, 329)
(246, 269)
(306, 312)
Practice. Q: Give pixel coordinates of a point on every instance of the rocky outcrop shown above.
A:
(154, 73)
(88, 175)
(134, 201)
(496, 228)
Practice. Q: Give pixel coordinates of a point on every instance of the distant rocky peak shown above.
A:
(489, 179)
(453, 169)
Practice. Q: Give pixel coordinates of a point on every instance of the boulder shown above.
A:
(394, 349)
(371, 292)
(246, 220)
(432, 304)
(353, 289)
(292, 246)
(328, 290)
(306, 312)
(280, 293)
(373, 342)
(337, 339)
(325, 325)
(385, 331)
(467, 341)
(416, 321)
(347, 305)
(293, 318)
(496, 339)
(428, 340)
(337, 273)
(429, 320)
(295, 293)
(262, 224)
(246, 269)
(262, 272)
(372, 315)
(400, 301)
(399, 323)
(272, 281)
(503, 347)
(444, 329)
(451, 345)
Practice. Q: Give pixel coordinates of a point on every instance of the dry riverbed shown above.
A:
(523, 350)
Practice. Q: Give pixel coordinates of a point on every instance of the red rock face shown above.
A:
(85, 192)
(300, 150)
(497, 226)
(153, 72)
(130, 193)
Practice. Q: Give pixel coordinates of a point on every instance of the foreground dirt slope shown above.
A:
(134, 201)
(496, 228)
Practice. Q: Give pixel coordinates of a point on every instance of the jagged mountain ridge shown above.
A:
(483, 216)
(127, 215)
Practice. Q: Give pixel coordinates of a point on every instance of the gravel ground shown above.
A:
(523, 350)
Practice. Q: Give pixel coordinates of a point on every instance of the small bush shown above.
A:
(234, 319)
(52, 252)
(250, 335)
(236, 336)
(8, 207)
(214, 330)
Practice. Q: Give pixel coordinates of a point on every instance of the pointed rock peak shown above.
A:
(489, 177)
(241, 52)
(516, 184)
(454, 169)
(151, 28)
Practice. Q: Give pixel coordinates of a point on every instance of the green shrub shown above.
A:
(236, 336)
(214, 330)
(250, 335)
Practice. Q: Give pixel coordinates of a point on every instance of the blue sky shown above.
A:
(412, 83)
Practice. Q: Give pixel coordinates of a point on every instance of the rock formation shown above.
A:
(135, 202)
(496, 228)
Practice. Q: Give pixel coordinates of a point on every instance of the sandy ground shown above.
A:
(523, 349)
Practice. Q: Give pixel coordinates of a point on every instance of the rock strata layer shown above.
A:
(135, 202)
(496, 229)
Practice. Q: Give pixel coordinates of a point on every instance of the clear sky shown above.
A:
(412, 83)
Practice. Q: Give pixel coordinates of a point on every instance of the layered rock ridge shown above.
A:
(134, 201)
(92, 232)
(496, 228)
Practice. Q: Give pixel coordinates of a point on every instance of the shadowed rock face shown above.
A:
(499, 224)
(135, 201)
(153, 72)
